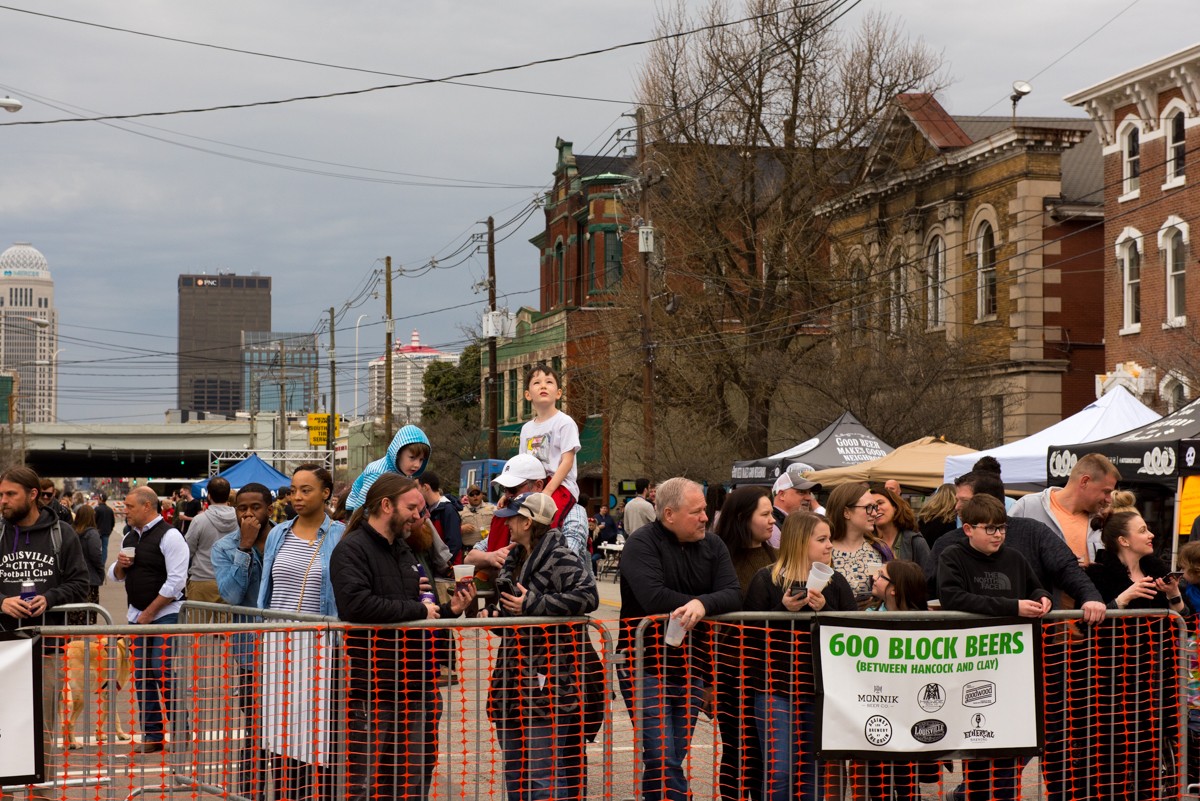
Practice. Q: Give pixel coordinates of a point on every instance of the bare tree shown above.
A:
(749, 127)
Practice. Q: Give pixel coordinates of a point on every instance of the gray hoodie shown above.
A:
(209, 526)
(1036, 506)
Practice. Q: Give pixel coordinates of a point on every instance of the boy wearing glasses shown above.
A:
(984, 577)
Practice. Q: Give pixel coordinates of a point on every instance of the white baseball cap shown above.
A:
(519, 469)
(792, 478)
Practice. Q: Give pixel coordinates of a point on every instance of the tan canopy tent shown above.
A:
(919, 464)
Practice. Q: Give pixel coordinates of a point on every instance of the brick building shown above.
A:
(582, 257)
(987, 230)
(1148, 124)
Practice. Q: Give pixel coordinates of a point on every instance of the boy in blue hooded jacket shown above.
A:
(408, 455)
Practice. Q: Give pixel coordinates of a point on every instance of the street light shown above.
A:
(356, 322)
(11, 104)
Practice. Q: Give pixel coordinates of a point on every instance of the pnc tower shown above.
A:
(214, 310)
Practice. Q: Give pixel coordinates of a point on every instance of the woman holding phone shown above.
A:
(1129, 576)
(782, 683)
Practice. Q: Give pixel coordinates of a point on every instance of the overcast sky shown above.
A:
(315, 193)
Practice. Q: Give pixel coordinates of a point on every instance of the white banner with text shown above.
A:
(898, 690)
(21, 748)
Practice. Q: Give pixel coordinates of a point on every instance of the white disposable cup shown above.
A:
(464, 573)
(675, 632)
(934, 603)
(128, 552)
(819, 575)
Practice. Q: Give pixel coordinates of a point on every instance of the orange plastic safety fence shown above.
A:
(316, 712)
(507, 711)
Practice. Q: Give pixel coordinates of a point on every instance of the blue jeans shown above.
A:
(787, 732)
(152, 677)
(670, 709)
(542, 762)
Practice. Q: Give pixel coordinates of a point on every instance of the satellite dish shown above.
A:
(1021, 88)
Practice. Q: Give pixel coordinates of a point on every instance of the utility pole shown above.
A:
(647, 343)
(493, 397)
(387, 356)
(331, 440)
(282, 396)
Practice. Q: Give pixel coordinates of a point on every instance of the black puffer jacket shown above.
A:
(538, 667)
(376, 582)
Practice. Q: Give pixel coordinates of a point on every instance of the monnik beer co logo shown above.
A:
(931, 697)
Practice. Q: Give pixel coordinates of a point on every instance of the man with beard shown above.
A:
(37, 547)
(394, 705)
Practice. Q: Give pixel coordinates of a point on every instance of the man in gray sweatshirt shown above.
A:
(218, 520)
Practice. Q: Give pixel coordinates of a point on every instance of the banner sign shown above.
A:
(22, 757)
(318, 430)
(899, 690)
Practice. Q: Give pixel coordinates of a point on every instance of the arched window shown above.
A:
(1129, 265)
(1176, 146)
(857, 296)
(935, 282)
(1175, 260)
(986, 257)
(1131, 146)
(560, 272)
(897, 288)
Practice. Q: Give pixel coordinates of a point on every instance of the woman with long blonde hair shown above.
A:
(782, 683)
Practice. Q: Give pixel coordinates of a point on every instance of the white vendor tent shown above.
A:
(1024, 461)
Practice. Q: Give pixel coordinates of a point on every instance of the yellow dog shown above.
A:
(87, 674)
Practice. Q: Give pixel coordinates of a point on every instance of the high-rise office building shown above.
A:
(29, 332)
(214, 310)
(279, 365)
(408, 379)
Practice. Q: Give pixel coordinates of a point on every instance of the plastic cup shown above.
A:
(675, 632)
(128, 552)
(934, 604)
(819, 575)
(464, 575)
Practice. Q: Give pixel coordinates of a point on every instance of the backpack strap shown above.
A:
(56, 538)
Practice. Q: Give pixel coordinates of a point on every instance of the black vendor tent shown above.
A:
(843, 442)
(1152, 454)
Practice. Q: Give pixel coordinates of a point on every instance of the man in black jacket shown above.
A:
(672, 566)
(106, 521)
(394, 705)
(36, 546)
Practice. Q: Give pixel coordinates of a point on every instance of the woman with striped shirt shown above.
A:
(297, 666)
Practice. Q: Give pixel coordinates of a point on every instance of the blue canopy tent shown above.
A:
(250, 470)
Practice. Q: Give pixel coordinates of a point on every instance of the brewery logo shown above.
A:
(979, 693)
(878, 699)
(1189, 457)
(928, 731)
(977, 733)
(878, 730)
(1061, 463)
(931, 697)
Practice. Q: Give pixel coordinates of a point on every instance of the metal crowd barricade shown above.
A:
(221, 709)
(1114, 694)
(1115, 711)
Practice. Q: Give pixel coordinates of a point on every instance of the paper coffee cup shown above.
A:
(128, 552)
(464, 574)
(819, 575)
(675, 632)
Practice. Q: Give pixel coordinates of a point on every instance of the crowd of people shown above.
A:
(371, 556)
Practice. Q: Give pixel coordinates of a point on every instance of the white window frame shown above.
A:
(1174, 266)
(1174, 147)
(897, 289)
(1130, 241)
(1131, 165)
(982, 269)
(935, 282)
